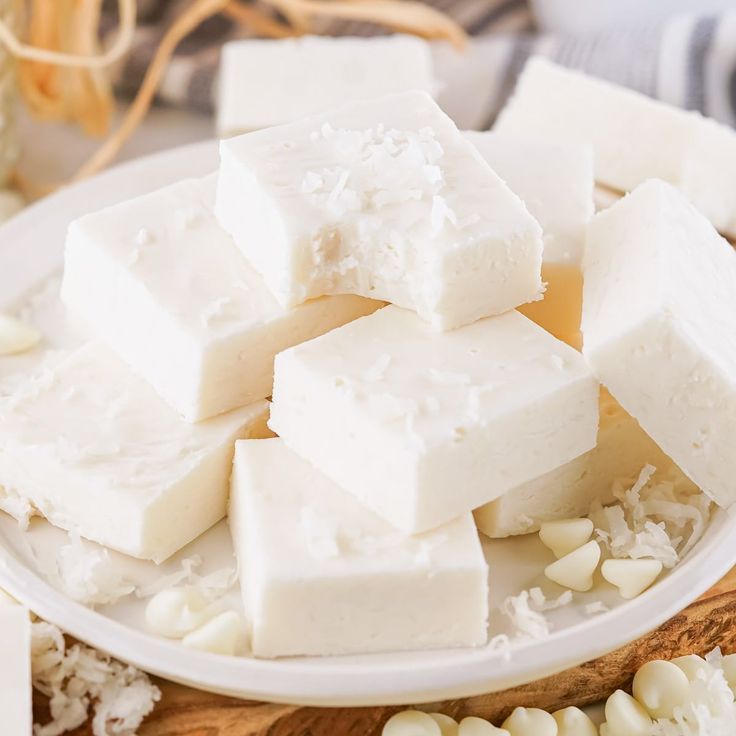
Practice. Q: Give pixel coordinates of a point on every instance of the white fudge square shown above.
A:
(384, 199)
(556, 183)
(658, 308)
(424, 426)
(635, 137)
(162, 284)
(265, 82)
(321, 575)
(15, 670)
(88, 445)
(623, 448)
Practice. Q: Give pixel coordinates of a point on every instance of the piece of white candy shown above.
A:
(565, 535)
(575, 570)
(660, 686)
(473, 726)
(447, 725)
(411, 723)
(728, 664)
(224, 634)
(573, 722)
(691, 665)
(625, 717)
(530, 722)
(175, 612)
(16, 336)
(631, 577)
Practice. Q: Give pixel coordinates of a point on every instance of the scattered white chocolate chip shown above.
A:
(575, 570)
(447, 725)
(175, 612)
(573, 722)
(411, 723)
(728, 664)
(565, 535)
(530, 722)
(625, 717)
(473, 726)
(224, 634)
(16, 336)
(631, 577)
(691, 665)
(660, 687)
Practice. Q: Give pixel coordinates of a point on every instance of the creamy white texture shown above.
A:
(270, 82)
(635, 138)
(385, 199)
(555, 182)
(623, 448)
(422, 426)
(658, 310)
(321, 575)
(15, 668)
(90, 446)
(159, 281)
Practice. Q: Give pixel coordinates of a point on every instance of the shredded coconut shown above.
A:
(78, 678)
(85, 573)
(711, 710)
(596, 607)
(660, 518)
(211, 586)
(526, 612)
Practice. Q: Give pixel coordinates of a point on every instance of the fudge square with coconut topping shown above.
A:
(384, 199)
(399, 414)
(323, 575)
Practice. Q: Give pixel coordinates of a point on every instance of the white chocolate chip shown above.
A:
(691, 664)
(224, 634)
(530, 722)
(473, 726)
(575, 570)
(411, 723)
(631, 577)
(573, 722)
(661, 686)
(728, 663)
(625, 717)
(175, 612)
(447, 725)
(16, 336)
(565, 535)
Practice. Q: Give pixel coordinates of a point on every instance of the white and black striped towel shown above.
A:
(687, 61)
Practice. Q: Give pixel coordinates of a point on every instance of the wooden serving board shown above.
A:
(707, 623)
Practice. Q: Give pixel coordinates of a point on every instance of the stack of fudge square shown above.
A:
(409, 296)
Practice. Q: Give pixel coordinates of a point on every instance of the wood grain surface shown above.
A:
(709, 622)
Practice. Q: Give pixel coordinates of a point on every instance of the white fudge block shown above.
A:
(658, 306)
(16, 713)
(423, 426)
(89, 446)
(556, 183)
(161, 283)
(634, 137)
(321, 575)
(384, 199)
(623, 449)
(266, 82)
(554, 180)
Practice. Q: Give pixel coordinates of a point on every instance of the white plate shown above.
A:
(30, 250)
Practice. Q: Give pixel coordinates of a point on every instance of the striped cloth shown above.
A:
(688, 61)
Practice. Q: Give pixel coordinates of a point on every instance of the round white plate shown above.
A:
(31, 248)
